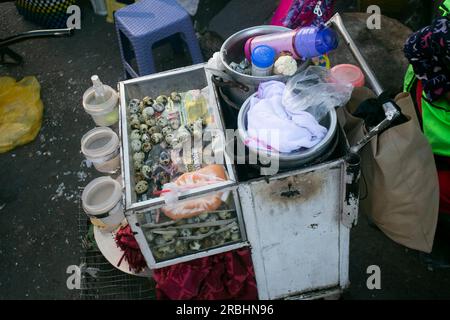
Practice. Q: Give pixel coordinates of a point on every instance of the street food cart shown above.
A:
(296, 222)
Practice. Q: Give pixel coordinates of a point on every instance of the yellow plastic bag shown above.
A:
(21, 111)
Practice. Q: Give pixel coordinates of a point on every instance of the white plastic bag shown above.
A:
(315, 91)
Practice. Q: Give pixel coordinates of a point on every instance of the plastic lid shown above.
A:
(263, 56)
(326, 40)
(93, 108)
(99, 142)
(348, 73)
(101, 195)
(314, 41)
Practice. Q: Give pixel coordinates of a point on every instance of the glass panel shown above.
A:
(172, 126)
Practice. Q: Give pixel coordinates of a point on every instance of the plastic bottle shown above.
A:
(101, 102)
(263, 58)
(307, 42)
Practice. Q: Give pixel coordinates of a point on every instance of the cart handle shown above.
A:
(36, 34)
(390, 110)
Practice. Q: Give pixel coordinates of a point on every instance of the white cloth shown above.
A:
(271, 127)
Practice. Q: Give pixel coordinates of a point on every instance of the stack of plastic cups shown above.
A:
(102, 197)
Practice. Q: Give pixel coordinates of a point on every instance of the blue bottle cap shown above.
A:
(326, 40)
(263, 56)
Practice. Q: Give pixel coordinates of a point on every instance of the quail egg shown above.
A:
(151, 122)
(186, 232)
(161, 99)
(135, 135)
(159, 107)
(148, 112)
(143, 128)
(147, 101)
(175, 97)
(170, 139)
(133, 106)
(174, 123)
(134, 117)
(137, 165)
(146, 171)
(141, 187)
(146, 146)
(223, 215)
(135, 124)
(195, 245)
(164, 158)
(180, 247)
(165, 131)
(154, 129)
(156, 138)
(136, 145)
(139, 156)
(145, 138)
(162, 122)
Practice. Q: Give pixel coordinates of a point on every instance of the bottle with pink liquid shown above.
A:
(302, 43)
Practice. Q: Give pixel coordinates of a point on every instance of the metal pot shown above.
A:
(233, 51)
(293, 159)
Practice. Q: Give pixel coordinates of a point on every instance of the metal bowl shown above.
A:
(297, 158)
(232, 50)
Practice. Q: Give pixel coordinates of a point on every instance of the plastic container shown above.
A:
(303, 43)
(102, 202)
(101, 146)
(101, 102)
(348, 73)
(263, 58)
(99, 7)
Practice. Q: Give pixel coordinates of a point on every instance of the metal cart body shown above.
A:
(298, 224)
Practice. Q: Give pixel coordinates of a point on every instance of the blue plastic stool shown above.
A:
(139, 26)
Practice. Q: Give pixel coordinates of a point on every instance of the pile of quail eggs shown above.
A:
(153, 126)
(207, 230)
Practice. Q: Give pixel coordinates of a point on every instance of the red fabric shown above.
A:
(443, 166)
(131, 253)
(281, 12)
(223, 276)
(419, 90)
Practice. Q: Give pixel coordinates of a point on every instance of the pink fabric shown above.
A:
(223, 276)
(281, 12)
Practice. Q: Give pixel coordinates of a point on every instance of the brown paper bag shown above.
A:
(399, 183)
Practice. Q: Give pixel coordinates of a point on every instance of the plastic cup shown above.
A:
(102, 202)
(105, 113)
(101, 147)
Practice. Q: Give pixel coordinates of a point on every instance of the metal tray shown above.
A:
(148, 248)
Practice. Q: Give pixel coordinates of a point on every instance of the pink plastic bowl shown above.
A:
(348, 73)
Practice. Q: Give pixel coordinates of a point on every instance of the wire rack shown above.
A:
(101, 280)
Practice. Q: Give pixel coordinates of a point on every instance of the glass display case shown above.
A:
(179, 184)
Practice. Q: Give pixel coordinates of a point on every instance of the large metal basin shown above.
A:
(293, 159)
